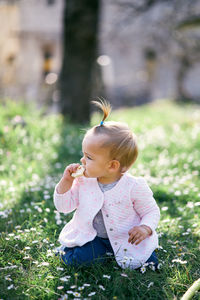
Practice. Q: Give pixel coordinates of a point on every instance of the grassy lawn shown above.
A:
(34, 150)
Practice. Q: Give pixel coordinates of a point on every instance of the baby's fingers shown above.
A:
(139, 240)
(133, 235)
(135, 238)
(70, 169)
(74, 168)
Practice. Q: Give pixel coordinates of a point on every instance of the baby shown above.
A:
(115, 211)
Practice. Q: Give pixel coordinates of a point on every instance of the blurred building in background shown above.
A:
(150, 49)
(30, 48)
(147, 50)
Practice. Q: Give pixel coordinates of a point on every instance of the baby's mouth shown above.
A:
(85, 173)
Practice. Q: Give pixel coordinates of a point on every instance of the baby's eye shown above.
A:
(88, 157)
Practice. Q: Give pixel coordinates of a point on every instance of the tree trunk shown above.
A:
(79, 54)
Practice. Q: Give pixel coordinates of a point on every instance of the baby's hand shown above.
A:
(69, 170)
(66, 181)
(138, 233)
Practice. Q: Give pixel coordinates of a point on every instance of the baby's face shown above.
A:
(95, 158)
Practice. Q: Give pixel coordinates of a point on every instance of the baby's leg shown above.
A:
(92, 252)
(153, 259)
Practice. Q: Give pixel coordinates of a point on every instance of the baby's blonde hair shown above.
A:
(121, 141)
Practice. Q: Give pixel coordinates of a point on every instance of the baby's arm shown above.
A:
(66, 191)
(146, 207)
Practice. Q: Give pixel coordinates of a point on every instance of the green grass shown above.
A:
(34, 150)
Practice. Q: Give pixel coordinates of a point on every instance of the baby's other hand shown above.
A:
(69, 170)
(138, 233)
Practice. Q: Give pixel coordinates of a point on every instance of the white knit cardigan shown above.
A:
(129, 203)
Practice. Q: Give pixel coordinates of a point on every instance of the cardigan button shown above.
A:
(111, 229)
(107, 215)
(116, 243)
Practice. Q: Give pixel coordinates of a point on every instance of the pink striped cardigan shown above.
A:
(129, 203)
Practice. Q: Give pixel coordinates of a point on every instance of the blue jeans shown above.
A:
(98, 250)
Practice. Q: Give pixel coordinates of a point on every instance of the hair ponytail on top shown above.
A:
(105, 107)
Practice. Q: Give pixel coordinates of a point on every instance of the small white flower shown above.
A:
(180, 208)
(182, 262)
(101, 287)
(35, 242)
(143, 269)
(50, 277)
(76, 294)
(150, 284)
(10, 287)
(27, 257)
(164, 208)
(44, 263)
(60, 287)
(91, 294)
(124, 275)
(33, 229)
(106, 276)
(177, 193)
(11, 234)
(190, 204)
(59, 269)
(45, 241)
(152, 267)
(64, 297)
(109, 253)
(159, 266)
(8, 278)
(64, 279)
(86, 284)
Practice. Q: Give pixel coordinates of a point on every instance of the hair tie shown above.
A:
(101, 123)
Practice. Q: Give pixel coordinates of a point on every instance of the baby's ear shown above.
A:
(114, 165)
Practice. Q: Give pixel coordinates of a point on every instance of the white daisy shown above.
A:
(143, 269)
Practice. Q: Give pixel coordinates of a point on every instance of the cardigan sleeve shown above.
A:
(145, 204)
(68, 201)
